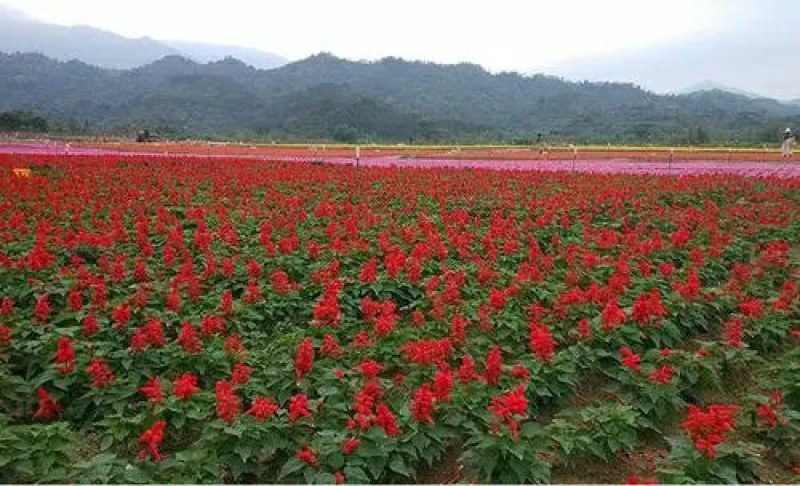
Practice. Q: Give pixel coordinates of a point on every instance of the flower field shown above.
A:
(180, 319)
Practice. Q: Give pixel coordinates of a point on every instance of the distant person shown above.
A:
(540, 143)
(788, 142)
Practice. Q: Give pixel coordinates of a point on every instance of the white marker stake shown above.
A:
(574, 155)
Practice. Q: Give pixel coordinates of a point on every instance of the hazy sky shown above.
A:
(498, 34)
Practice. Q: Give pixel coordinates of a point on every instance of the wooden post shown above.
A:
(671, 154)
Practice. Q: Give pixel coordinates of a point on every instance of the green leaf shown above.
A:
(289, 467)
(355, 475)
(336, 460)
(326, 391)
(324, 478)
(376, 465)
(135, 475)
(245, 451)
(106, 442)
(400, 467)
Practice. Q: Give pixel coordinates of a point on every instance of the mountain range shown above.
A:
(325, 97)
(109, 50)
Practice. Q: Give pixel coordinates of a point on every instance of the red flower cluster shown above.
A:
(262, 408)
(662, 375)
(541, 341)
(185, 386)
(48, 408)
(304, 358)
(422, 404)
(509, 408)
(152, 439)
(102, 375)
(768, 413)
(733, 333)
(227, 401)
(428, 351)
(630, 359)
(153, 390)
(65, 356)
(494, 366)
(707, 429)
(298, 407)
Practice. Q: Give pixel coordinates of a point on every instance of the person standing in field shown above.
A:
(788, 142)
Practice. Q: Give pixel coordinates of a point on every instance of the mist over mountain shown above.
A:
(757, 57)
(325, 97)
(109, 50)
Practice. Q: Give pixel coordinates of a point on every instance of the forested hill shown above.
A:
(323, 97)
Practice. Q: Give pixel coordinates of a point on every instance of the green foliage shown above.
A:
(734, 463)
(22, 121)
(327, 98)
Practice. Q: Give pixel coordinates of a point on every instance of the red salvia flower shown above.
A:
(227, 401)
(428, 351)
(89, 325)
(307, 455)
(6, 307)
(304, 358)
(641, 480)
(65, 356)
(370, 368)
(442, 384)
(662, 375)
(385, 419)
(5, 335)
(330, 347)
(102, 376)
(350, 445)
(752, 308)
(458, 329)
(240, 374)
(75, 300)
(42, 310)
(226, 302)
(630, 359)
(520, 371)
(153, 390)
(612, 316)
(210, 325)
(262, 408)
(369, 271)
(252, 293)
(185, 386)
(152, 439)
(708, 429)
(233, 346)
(48, 408)
(422, 405)
(466, 371)
(509, 408)
(298, 407)
(418, 318)
(155, 333)
(121, 316)
(281, 283)
(733, 332)
(584, 329)
(541, 341)
(188, 339)
(494, 366)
